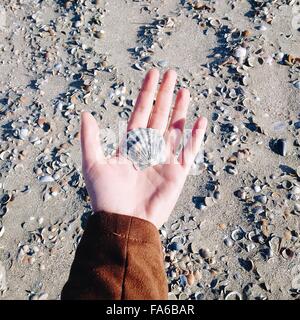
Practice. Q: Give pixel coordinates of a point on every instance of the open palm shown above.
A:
(114, 184)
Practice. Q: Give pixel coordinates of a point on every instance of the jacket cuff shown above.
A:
(124, 226)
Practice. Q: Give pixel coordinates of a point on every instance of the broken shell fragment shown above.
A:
(3, 284)
(209, 201)
(46, 179)
(280, 146)
(190, 279)
(237, 234)
(297, 84)
(274, 244)
(204, 253)
(234, 295)
(287, 253)
(2, 229)
(240, 53)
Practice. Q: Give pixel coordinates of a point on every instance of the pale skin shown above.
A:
(114, 184)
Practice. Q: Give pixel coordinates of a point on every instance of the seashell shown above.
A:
(190, 279)
(138, 67)
(250, 247)
(251, 235)
(296, 282)
(298, 171)
(241, 194)
(257, 188)
(163, 63)
(247, 264)
(172, 296)
(297, 84)
(240, 53)
(194, 247)
(231, 170)
(280, 56)
(145, 147)
(175, 226)
(5, 199)
(262, 199)
(3, 284)
(182, 280)
(176, 288)
(46, 179)
(297, 208)
(3, 211)
(199, 296)
(197, 275)
(228, 242)
(287, 184)
(262, 28)
(237, 234)
(295, 190)
(287, 253)
(43, 296)
(209, 201)
(2, 229)
(280, 146)
(204, 253)
(183, 296)
(23, 133)
(243, 139)
(174, 246)
(234, 295)
(251, 61)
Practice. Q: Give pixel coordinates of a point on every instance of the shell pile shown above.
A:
(145, 147)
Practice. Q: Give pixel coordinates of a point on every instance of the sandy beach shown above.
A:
(235, 231)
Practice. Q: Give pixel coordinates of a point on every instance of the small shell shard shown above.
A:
(145, 147)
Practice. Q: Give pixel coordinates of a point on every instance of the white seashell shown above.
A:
(295, 190)
(3, 284)
(171, 296)
(209, 201)
(234, 295)
(2, 229)
(46, 179)
(145, 147)
(296, 282)
(262, 28)
(241, 54)
(297, 208)
(237, 234)
(23, 134)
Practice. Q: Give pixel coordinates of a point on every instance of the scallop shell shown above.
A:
(145, 147)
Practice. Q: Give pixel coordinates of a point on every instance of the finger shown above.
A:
(193, 144)
(160, 113)
(144, 103)
(90, 140)
(180, 110)
(174, 134)
(172, 140)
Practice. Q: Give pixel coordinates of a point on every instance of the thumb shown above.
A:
(90, 141)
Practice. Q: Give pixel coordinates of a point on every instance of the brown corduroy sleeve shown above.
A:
(119, 257)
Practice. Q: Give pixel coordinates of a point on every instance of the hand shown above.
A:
(150, 194)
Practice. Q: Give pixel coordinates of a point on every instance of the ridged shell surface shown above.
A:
(145, 147)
